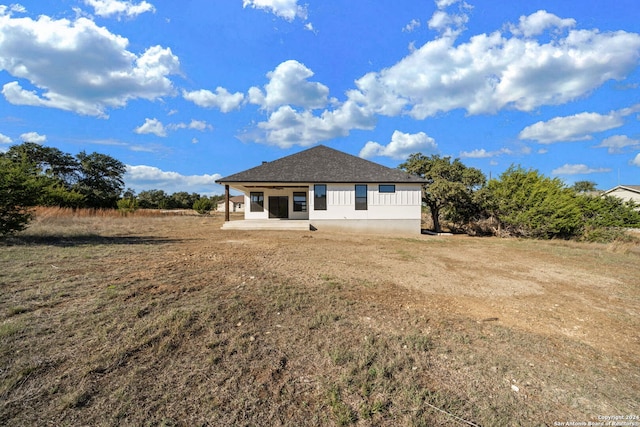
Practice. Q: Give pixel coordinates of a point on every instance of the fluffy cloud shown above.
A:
(195, 125)
(287, 127)
(286, 9)
(151, 126)
(411, 26)
(401, 146)
(539, 22)
(506, 69)
(4, 139)
(579, 169)
(33, 137)
(146, 177)
(104, 75)
(107, 8)
(492, 72)
(221, 99)
(288, 85)
(636, 160)
(617, 143)
(155, 127)
(484, 154)
(571, 128)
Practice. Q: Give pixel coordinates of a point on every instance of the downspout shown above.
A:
(226, 202)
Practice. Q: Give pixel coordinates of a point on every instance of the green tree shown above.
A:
(203, 205)
(19, 190)
(56, 173)
(153, 199)
(450, 187)
(584, 186)
(101, 179)
(529, 204)
(182, 200)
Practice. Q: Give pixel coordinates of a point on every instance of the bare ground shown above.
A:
(171, 321)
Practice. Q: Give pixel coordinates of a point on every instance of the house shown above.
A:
(236, 204)
(625, 192)
(326, 189)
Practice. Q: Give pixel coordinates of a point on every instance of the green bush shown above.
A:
(203, 206)
(19, 190)
(528, 204)
(127, 205)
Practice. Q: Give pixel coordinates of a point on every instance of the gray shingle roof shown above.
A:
(322, 164)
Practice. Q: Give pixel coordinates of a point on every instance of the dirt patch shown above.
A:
(181, 323)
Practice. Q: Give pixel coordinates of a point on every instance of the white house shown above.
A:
(625, 192)
(325, 189)
(236, 204)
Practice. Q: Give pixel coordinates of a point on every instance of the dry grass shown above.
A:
(170, 321)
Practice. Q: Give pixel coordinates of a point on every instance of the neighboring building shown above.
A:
(236, 204)
(330, 190)
(625, 192)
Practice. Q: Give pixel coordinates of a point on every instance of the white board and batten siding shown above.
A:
(404, 203)
(398, 212)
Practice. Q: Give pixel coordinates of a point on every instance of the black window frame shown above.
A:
(320, 202)
(300, 205)
(387, 188)
(256, 201)
(361, 201)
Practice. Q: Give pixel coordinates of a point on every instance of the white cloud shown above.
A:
(4, 139)
(222, 99)
(105, 74)
(154, 126)
(538, 22)
(107, 8)
(411, 26)
(288, 85)
(484, 154)
(33, 137)
(492, 72)
(287, 127)
(571, 128)
(151, 126)
(195, 125)
(617, 143)
(450, 24)
(579, 169)
(286, 9)
(143, 177)
(401, 146)
(636, 160)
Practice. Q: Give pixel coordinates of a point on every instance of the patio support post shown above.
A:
(226, 202)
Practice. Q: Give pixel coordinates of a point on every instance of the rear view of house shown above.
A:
(330, 190)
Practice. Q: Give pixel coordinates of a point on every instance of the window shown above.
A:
(320, 197)
(299, 202)
(388, 188)
(361, 197)
(257, 202)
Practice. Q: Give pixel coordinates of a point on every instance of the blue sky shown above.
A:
(186, 92)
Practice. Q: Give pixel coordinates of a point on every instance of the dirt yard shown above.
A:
(172, 321)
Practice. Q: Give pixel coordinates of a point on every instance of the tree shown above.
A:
(203, 205)
(584, 186)
(529, 204)
(153, 199)
(101, 179)
(56, 172)
(450, 187)
(19, 190)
